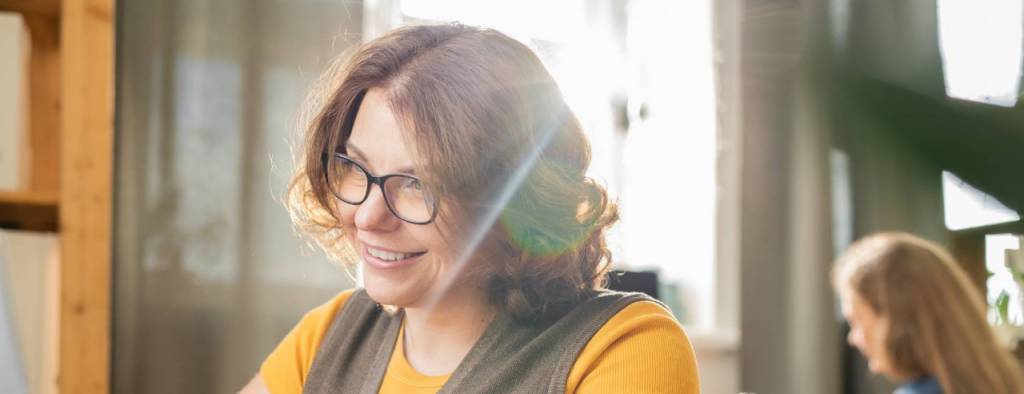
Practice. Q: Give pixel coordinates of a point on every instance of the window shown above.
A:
(968, 207)
(981, 49)
(1004, 260)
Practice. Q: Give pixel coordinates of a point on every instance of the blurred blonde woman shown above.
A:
(918, 320)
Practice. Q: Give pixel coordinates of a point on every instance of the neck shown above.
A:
(438, 337)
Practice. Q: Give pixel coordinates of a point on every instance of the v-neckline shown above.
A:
(480, 348)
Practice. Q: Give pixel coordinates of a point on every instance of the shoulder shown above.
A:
(285, 369)
(327, 310)
(924, 385)
(642, 347)
(314, 324)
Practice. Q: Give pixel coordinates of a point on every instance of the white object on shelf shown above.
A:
(12, 370)
(15, 48)
(28, 311)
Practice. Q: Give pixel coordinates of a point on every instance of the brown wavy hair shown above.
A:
(496, 142)
(935, 317)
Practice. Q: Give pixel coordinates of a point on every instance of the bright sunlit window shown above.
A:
(1001, 283)
(981, 43)
(668, 219)
(968, 207)
(559, 21)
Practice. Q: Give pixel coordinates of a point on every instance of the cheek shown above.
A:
(430, 239)
(876, 340)
(346, 214)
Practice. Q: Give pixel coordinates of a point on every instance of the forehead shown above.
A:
(378, 136)
(851, 302)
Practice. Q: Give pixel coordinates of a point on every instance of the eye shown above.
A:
(414, 185)
(344, 169)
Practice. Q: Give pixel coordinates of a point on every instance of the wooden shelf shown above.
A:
(28, 211)
(41, 7)
(71, 136)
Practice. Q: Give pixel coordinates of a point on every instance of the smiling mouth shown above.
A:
(386, 256)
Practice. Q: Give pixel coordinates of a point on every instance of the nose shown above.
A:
(374, 215)
(853, 338)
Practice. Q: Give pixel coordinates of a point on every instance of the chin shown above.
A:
(391, 290)
(879, 368)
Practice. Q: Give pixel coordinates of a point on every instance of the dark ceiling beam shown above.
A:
(982, 144)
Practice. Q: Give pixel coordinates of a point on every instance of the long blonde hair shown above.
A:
(935, 316)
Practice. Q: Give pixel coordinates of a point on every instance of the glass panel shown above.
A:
(981, 49)
(967, 207)
(209, 274)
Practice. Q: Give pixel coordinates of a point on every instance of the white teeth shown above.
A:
(387, 256)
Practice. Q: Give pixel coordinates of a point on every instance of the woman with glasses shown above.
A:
(444, 163)
(919, 321)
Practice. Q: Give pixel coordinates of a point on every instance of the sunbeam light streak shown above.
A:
(490, 217)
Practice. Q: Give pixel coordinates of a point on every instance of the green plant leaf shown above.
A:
(1003, 306)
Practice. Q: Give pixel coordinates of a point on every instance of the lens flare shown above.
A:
(496, 210)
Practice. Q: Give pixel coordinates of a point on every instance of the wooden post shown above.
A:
(86, 188)
(44, 118)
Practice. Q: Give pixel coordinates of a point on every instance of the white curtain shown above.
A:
(209, 274)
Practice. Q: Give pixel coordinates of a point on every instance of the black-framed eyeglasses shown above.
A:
(404, 194)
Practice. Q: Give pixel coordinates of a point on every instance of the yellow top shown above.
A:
(642, 348)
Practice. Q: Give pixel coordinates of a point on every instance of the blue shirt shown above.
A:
(924, 385)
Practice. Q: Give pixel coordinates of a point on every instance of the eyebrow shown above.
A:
(355, 150)
(358, 154)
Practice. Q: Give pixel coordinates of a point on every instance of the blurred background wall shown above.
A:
(853, 121)
(209, 273)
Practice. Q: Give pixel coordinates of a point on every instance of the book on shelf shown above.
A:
(15, 151)
(29, 264)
